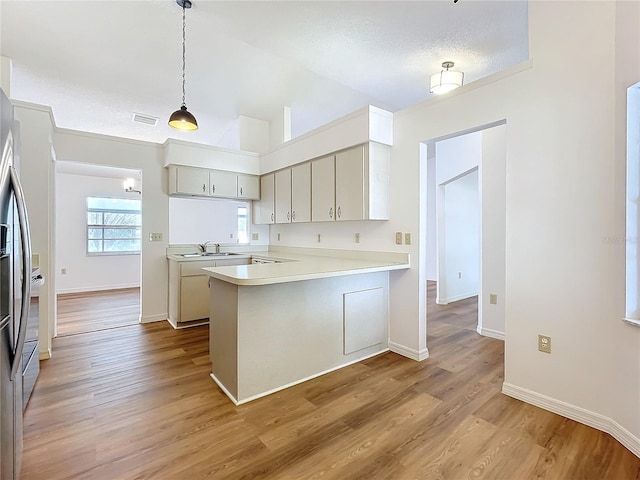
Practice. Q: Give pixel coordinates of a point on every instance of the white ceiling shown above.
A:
(97, 62)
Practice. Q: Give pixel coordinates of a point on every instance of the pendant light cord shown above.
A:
(184, 40)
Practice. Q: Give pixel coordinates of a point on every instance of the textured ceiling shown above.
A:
(98, 62)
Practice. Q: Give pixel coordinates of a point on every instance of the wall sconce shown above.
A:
(446, 80)
(128, 185)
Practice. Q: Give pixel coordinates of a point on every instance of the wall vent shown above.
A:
(146, 119)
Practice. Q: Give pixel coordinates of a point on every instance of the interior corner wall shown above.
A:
(87, 273)
(81, 147)
(565, 171)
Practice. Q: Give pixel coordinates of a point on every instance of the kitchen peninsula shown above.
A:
(278, 324)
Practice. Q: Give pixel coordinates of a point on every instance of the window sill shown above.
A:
(110, 254)
(631, 321)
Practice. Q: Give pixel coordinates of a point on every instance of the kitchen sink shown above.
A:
(208, 254)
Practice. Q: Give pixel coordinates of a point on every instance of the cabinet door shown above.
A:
(194, 298)
(192, 181)
(264, 211)
(249, 187)
(283, 196)
(301, 193)
(350, 184)
(323, 193)
(222, 184)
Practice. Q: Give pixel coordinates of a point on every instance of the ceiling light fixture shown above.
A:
(128, 185)
(182, 119)
(446, 80)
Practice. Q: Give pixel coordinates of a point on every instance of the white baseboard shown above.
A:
(411, 353)
(488, 332)
(295, 382)
(579, 414)
(158, 317)
(62, 291)
(455, 298)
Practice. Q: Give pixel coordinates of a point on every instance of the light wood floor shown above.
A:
(137, 403)
(92, 311)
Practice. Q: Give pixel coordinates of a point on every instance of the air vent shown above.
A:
(146, 119)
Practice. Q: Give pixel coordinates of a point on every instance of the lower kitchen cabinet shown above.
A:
(189, 290)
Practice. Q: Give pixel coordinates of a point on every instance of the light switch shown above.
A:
(407, 238)
(155, 237)
(398, 238)
(255, 236)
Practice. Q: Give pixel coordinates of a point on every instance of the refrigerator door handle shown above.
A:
(26, 265)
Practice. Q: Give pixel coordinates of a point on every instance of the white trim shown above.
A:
(158, 317)
(295, 382)
(632, 321)
(417, 355)
(462, 296)
(62, 291)
(488, 332)
(586, 417)
(176, 326)
(37, 107)
(45, 355)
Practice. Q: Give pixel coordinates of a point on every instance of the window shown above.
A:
(113, 226)
(243, 225)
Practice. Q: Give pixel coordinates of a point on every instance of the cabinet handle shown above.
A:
(288, 216)
(339, 212)
(213, 188)
(293, 215)
(331, 212)
(272, 216)
(240, 190)
(204, 188)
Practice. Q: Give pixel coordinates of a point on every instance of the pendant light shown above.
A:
(182, 119)
(446, 80)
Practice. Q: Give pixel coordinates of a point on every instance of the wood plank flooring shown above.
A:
(137, 403)
(92, 311)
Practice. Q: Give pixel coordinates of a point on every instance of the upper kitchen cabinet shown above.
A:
(249, 187)
(222, 184)
(323, 190)
(264, 210)
(188, 181)
(283, 196)
(362, 183)
(301, 193)
(194, 181)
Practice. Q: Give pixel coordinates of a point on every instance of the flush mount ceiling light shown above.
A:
(446, 80)
(128, 185)
(182, 119)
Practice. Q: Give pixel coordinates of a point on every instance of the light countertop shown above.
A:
(307, 264)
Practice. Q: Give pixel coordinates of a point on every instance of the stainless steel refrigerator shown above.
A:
(15, 292)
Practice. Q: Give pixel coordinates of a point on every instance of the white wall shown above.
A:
(459, 239)
(87, 273)
(565, 186)
(197, 220)
(431, 237)
(80, 147)
(458, 155)
(37, 178)
(493, 219)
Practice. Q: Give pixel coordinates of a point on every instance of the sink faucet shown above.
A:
(203, 246)
(217, 245)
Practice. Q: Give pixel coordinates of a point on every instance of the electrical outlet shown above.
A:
(318, 238)
(493, 298)
(231, 235)
(63, 271)
(356, 238)
(407, 238)
(459, 274)
(155, 237)
(544, 343)
(256, 236)
(398, 238)
(278, 236)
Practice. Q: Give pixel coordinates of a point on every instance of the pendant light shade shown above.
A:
(182, 119)
(446, 80)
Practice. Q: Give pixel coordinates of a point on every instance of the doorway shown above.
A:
(467, 240)
(97, 248)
